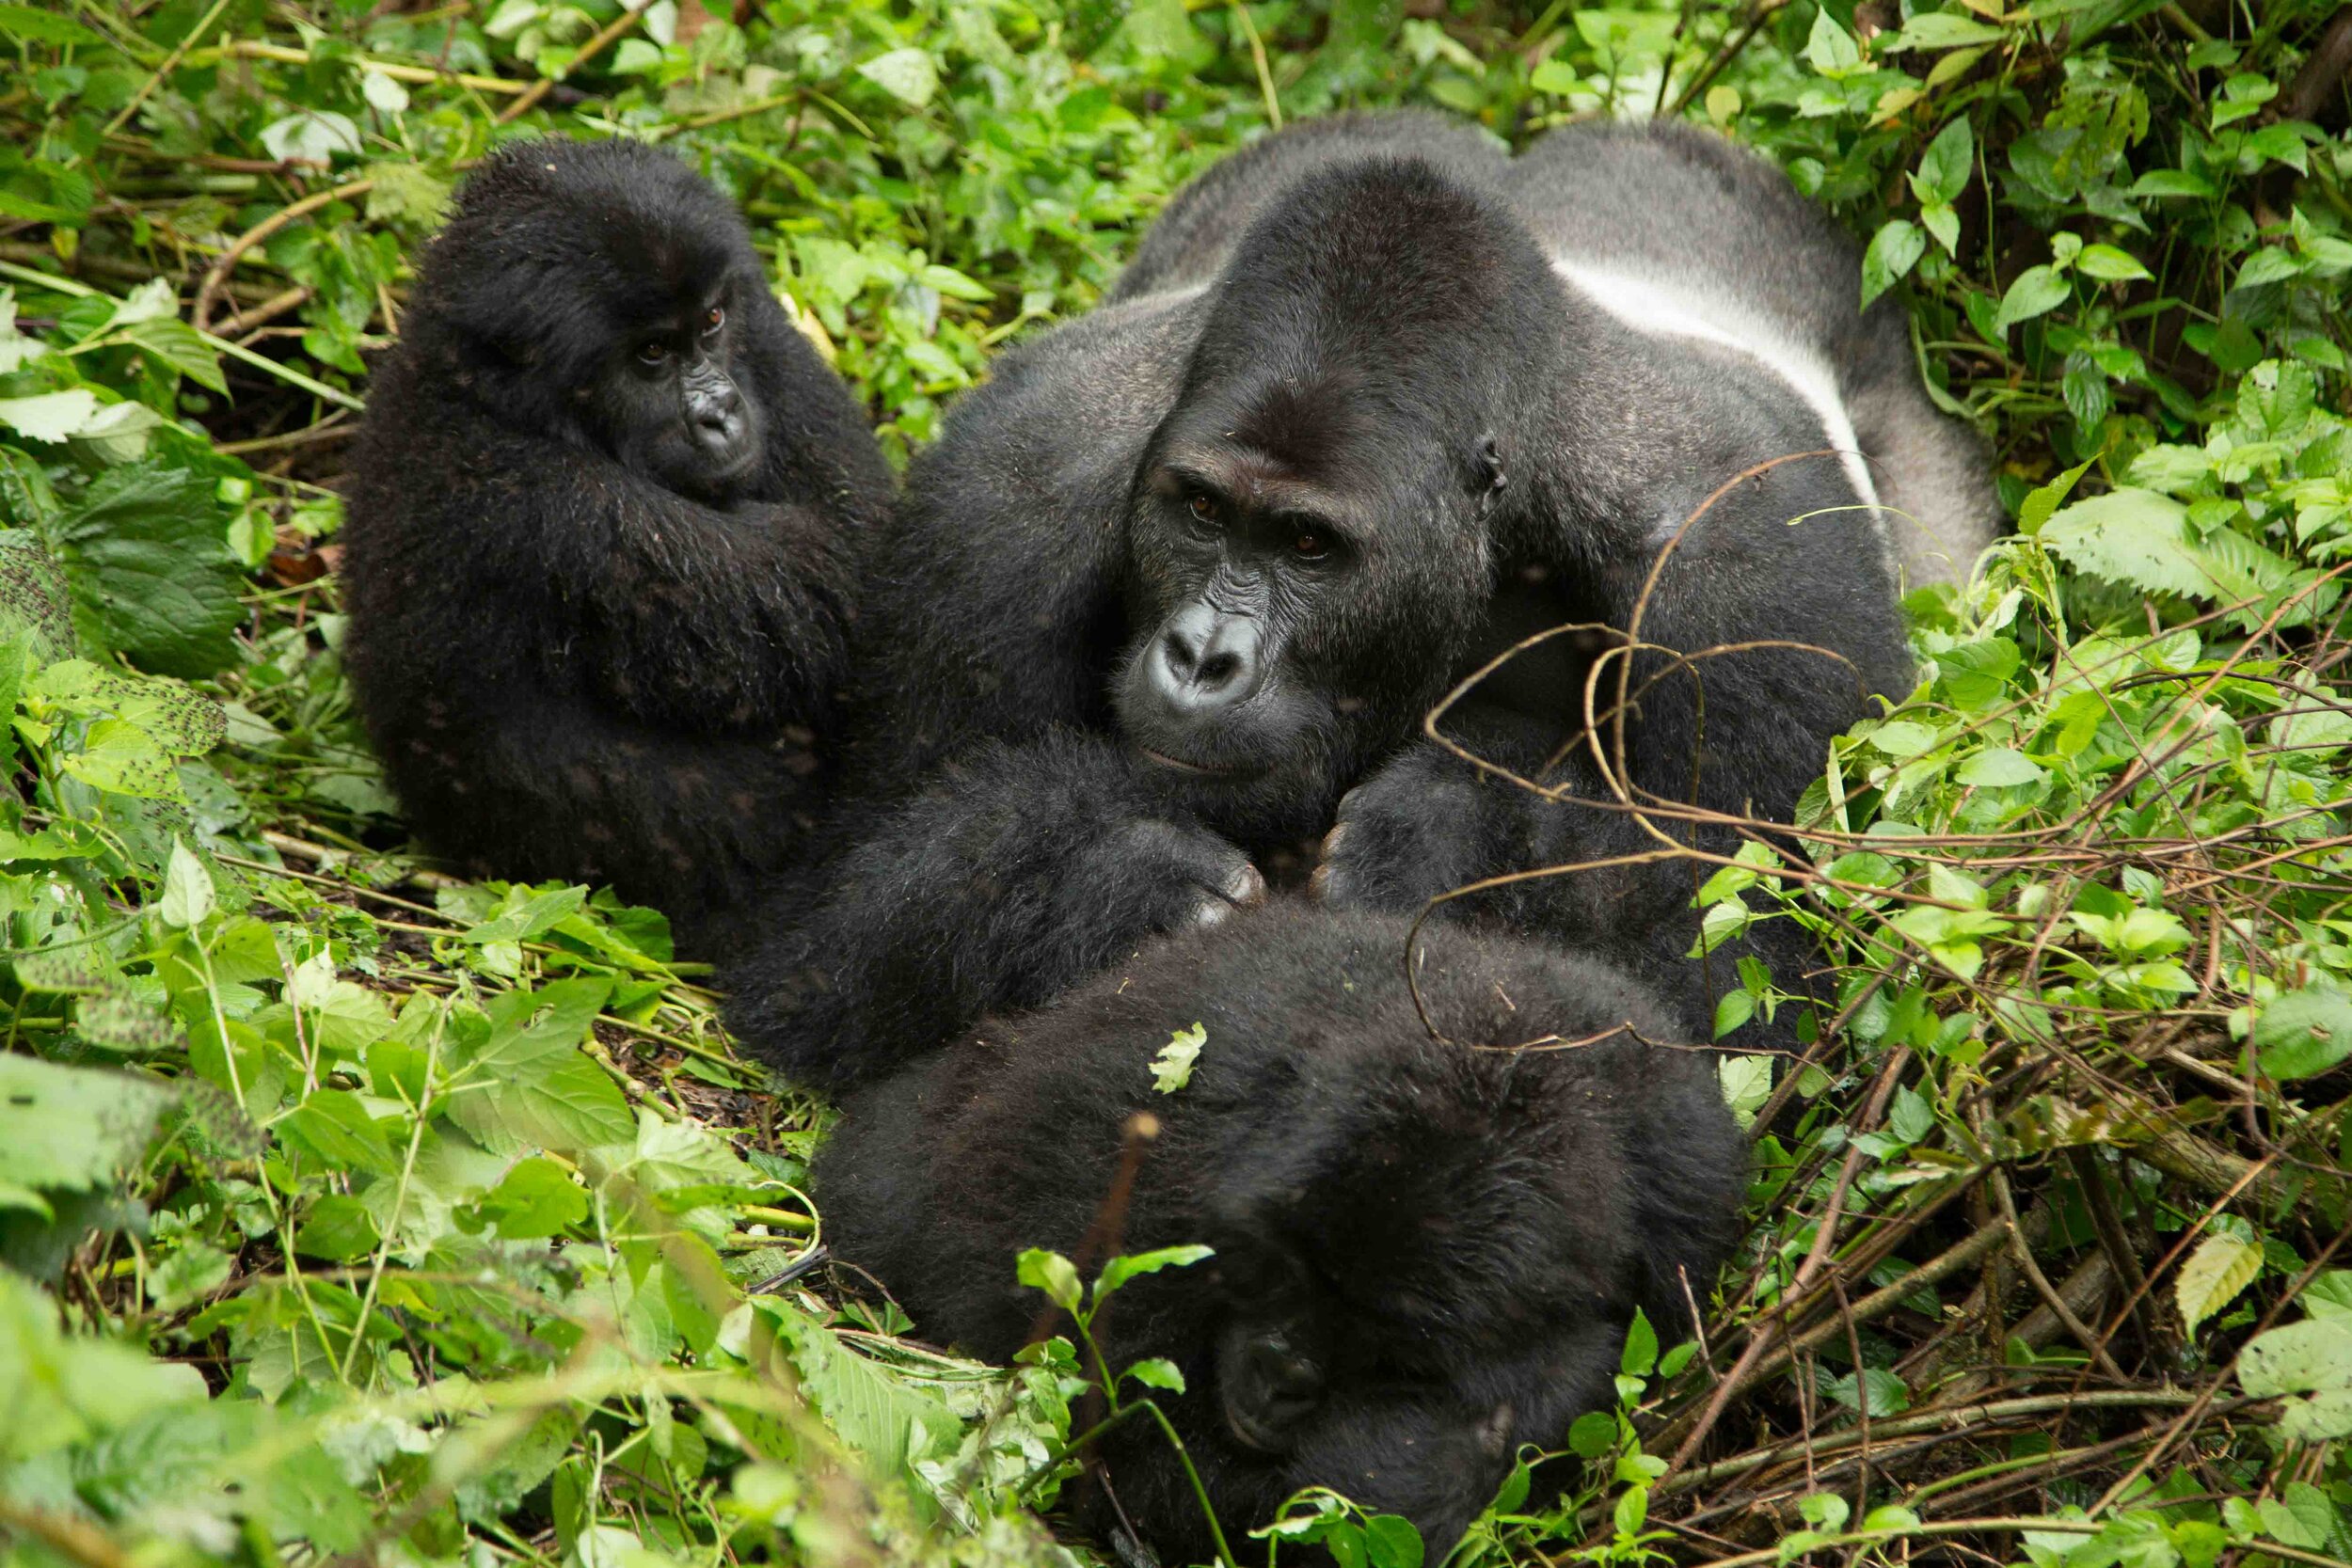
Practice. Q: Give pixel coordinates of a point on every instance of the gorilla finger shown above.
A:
(1329, 847)
(1245, 888)
(1319, 882)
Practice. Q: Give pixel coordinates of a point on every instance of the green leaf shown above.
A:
(2036, 292)
(188, 895)
(2301, 1033)
(1121, 1269)
(889, 1422)
(2308, 1364)
(178, 345)
(2111, 265)
(1895, 249)
(1946, 166)
(1998, 767)
(73, 1127)
(1641, 1347)
(2040, 503)
(2211, 1278)
(50, 417)
(910, 75)
(147, 558)
(1747, 1084)
(1051, 1273)
(1392, 1542)
(60, 1389)
(1830, 48)
(46, 26)
(1157, 1372)
(1940, 30)
(2135, 537)
(1171, 1069)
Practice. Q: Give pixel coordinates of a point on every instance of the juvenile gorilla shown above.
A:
(1374, 402)
(1427, 1252)
(603, 534)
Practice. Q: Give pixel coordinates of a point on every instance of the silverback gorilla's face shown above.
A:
(1282, 556)
(669, 402)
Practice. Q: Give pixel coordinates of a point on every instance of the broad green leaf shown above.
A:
(60, 1389)
(1747, 1084)
(176, 344)
(188, 895)
(147, 559)
(2111, 265)
(49, 417)
(910, 75)
(2308, 1365)
(1391, 1541)
(891, 1422)
(73, 1127)
(2212, 1277)
(313, 135)
(46, 26)
(1640, 1355)
(1940, 30)
(2301, 1033)
(2136, 537)
(1051, 1273)
(2035, 292)
(1946, 166)
(1830, 48)
(1895, 249)
(1158, 1372)
(1997, 767)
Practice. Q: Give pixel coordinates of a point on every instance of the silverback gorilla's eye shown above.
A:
(713, 318)
(1203, 509)
(653, 353)
(1310, 546)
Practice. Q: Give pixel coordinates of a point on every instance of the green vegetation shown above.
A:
(356, 1214)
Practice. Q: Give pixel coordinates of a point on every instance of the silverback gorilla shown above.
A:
(1372, 402)
(603, 533)
(1427, 1251)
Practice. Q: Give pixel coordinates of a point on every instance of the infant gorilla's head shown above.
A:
(1427, 1251)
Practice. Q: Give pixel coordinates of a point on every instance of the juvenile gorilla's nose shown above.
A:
(1205, 661)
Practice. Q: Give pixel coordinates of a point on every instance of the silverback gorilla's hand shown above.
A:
(1151, 874)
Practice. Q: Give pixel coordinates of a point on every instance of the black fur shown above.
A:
(1433, 1248)
(587, 647)
(1190, 570)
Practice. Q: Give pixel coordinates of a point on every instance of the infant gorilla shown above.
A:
(1427, 1251)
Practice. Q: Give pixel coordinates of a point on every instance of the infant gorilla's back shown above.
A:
(1428, 1251)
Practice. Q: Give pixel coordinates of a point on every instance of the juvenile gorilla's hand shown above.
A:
(1422, 825)
(1150, 875)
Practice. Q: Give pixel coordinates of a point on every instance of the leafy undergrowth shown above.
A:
(359, 1214)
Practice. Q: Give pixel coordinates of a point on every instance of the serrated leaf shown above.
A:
(115, 1021)
(147, 559)
(889, 1422)
(1171, 1069)
(2211, 1278)
(177, 344)
(2135, 537)
(1747, 1084)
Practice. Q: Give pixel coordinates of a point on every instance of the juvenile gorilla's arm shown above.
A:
(681, 614)
(1022, 870)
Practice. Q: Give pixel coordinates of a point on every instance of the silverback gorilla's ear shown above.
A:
(1490, 466)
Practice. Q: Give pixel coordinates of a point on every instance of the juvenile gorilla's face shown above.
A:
(1293, 611)
(668, 401)
(1394, 1320)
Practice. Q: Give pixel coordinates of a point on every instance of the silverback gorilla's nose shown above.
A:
(1205, 661)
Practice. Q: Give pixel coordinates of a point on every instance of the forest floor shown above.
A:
(360, 1213)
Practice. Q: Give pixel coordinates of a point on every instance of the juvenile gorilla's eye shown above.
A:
(1310, 546)
(653, 353)
(713, 318)
(1203, 509)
